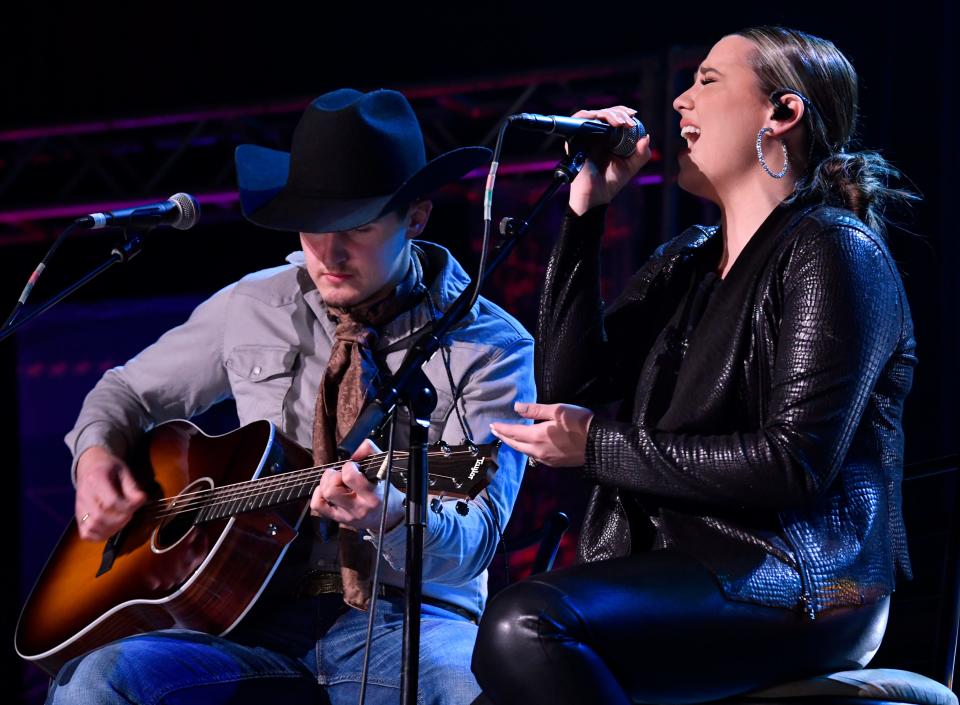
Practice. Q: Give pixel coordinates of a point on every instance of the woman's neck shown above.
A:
(742, 212)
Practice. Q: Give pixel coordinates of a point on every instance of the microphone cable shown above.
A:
(374, 592)
(41, 268)
(488, 212)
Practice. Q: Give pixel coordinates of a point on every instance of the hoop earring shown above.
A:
(763, 162)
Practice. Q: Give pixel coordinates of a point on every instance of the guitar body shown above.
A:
(162, 572)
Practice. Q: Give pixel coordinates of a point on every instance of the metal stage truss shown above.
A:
(52, 173)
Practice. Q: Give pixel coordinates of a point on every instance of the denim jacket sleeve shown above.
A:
(459, 548)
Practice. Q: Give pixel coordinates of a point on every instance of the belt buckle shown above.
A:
(325, 582)
(318, 582)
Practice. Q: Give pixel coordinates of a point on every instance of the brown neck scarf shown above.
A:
(348, 383)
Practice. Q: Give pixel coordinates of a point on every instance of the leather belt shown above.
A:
(322, 582)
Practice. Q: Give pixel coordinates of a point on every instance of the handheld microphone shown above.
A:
(619, 140)
(180, 211)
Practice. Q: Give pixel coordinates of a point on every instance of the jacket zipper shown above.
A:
(806, 599)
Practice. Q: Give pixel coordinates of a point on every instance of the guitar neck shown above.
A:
(461, 471)
(270, 491)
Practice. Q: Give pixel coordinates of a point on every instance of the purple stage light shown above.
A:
(227, 199)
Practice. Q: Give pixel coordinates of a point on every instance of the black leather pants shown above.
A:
(653, 628)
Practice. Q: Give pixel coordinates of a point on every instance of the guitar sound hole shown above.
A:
(182, 516)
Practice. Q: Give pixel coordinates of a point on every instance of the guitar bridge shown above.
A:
(110, 550)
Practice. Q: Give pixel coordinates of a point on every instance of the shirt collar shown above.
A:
(447, 280)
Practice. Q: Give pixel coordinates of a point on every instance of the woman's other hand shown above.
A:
(558, 440)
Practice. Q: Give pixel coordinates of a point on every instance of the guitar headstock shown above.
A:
(454, 471)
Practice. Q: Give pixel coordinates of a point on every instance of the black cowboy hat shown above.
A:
(354, 158)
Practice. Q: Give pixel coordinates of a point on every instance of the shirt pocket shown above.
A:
(261, 377)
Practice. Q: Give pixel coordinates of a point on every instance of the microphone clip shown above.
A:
(567, 168)
(130, 246)
(564, 172)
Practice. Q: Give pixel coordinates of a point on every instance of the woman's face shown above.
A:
(720, 115)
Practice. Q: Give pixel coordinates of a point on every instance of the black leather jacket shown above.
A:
(772, 450)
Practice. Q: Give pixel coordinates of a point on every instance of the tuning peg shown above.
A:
(463, 508)
(473, 448)
(436, 506)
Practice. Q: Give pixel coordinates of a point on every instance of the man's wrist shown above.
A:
(393, 520)
(89, 456)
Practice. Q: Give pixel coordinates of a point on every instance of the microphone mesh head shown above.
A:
(188, 208)
(629, 136)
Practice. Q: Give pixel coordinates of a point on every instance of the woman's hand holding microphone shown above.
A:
(600, 181)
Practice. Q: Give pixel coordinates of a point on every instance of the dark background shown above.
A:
(79, 64)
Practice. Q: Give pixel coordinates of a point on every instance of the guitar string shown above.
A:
(279, 483)
(261, 487)
(258, 486)
(265, 484)
(212, 496)
(209, 499)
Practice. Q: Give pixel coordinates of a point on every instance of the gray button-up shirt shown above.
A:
(265, 341)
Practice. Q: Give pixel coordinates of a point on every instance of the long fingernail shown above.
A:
(519, 407)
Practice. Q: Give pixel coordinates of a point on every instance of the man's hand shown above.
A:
(559, 440)
(107, 494)
(347, 497)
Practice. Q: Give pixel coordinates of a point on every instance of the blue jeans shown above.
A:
(302, 651)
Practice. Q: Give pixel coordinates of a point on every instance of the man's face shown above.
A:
(351, 267)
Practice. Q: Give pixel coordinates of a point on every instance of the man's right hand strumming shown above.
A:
(599, 182)
(107, 494)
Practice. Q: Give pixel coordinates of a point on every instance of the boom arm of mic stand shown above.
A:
(120, 254)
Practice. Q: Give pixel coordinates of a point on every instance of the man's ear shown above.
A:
(417, 217)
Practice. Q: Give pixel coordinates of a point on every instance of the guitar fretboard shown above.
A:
(212, 503)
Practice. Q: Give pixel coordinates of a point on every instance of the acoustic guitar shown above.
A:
(223, 511)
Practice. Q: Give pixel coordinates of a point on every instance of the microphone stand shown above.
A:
(121, 254)
(411, 388)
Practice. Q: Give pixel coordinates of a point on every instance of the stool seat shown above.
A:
(887, 685)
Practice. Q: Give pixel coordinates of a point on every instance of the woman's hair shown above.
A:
(788, 61)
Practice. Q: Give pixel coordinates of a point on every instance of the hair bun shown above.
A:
(857, 181)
